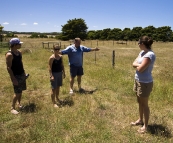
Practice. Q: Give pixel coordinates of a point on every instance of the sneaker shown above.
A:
(13, 111)
(71, 91)
(55, 105)
(20, 106)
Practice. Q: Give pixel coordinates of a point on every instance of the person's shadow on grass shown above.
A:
(68, 101)
(85, 91)
(159, 130)
(29, 108)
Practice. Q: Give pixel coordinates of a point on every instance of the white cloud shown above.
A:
(95, 26)
(5, 23)
(56, 26)
(23, 24)
(35, 23)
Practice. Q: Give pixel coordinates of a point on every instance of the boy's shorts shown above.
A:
(21, 83)
(76, 71)
(142, 89)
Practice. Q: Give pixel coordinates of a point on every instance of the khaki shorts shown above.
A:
(142, 89)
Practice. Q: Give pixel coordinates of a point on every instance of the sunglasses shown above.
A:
(56, 49)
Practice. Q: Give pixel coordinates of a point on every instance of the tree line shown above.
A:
(78, 28)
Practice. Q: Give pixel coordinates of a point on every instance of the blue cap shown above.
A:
(15, 41)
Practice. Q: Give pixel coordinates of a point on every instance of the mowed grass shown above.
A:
(100, 115)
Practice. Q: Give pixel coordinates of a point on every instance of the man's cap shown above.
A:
(15, 41)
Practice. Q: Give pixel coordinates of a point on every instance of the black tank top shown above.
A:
(57, 65)
(17, 66)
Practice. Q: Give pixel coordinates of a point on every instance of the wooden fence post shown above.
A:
(95, 57)
(113, 58)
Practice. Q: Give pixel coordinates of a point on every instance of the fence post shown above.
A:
(113, 58)
(95, 57)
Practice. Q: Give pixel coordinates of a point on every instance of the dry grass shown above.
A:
(101, 114)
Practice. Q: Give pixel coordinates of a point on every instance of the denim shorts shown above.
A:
(21, 83)
(57, 80)
(76, 71)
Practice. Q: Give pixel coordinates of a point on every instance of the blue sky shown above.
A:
(49, 15)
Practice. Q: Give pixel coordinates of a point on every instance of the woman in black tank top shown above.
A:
(56, 71)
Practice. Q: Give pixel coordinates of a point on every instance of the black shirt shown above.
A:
(57, 65)
(17, 66)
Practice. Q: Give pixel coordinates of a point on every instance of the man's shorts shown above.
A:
(142, 89)
(76, 71)
(21, 83)
(57, 80)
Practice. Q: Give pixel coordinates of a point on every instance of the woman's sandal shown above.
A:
(136, 123)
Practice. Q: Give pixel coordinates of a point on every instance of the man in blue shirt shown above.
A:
(75, 56)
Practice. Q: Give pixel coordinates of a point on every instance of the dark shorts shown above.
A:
(21, 83)
(142, 89)
(57, 80)
(76, 71)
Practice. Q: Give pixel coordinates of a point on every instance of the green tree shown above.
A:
(91, 35)
(115, 34)
(1, 36)
(34, 35)
(136, 33)
(43, 35)
(149, 31)
(74, 28)
(126, 34)
(171, 37)
(98, 34)
(105, 33)
(164, 33)
(10, 34)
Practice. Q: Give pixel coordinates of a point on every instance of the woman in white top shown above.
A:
(143, 80)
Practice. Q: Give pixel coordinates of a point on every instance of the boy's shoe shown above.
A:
(13, 111)
(71, 91)
(55, 105)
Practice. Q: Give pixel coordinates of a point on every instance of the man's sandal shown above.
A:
(136, 123)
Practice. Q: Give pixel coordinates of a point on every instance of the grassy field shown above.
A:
(100, 115)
